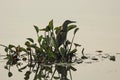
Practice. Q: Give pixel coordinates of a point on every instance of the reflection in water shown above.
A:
(60, 71)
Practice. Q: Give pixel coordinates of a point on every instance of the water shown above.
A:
(97, 70)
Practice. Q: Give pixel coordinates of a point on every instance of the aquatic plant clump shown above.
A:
(52, 56)
(52, 53)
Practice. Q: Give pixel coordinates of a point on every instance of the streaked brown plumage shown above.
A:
(61, 38)
(62, 34)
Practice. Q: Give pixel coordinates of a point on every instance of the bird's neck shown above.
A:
(64, 27)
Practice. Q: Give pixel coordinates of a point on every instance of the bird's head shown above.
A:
(68, 22)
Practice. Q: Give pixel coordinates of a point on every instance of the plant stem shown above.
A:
(71, 43)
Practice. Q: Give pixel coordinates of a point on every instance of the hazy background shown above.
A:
(98, 20)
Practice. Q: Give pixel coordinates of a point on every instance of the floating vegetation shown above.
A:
(112, 58)
(99, 51)
(83, 55)
(94, 58)
(118, 53)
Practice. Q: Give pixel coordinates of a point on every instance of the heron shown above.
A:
(62, 34)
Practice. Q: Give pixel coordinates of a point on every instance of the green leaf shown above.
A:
(57, 29)
(6, 49)
(68, 42)
(50, 54)
(10, 74)
(76, 30)
(54, 42)
(49, 27)
(36, 28)
(51, 24)
(33, 46)
(71, 27)
(30, 39)
(22, 49)
(73, 51)
(27, 43)
(40, 38)
(44, 29)
(62, 50)
(10, 46)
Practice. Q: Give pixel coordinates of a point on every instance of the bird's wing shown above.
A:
(61, 38)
